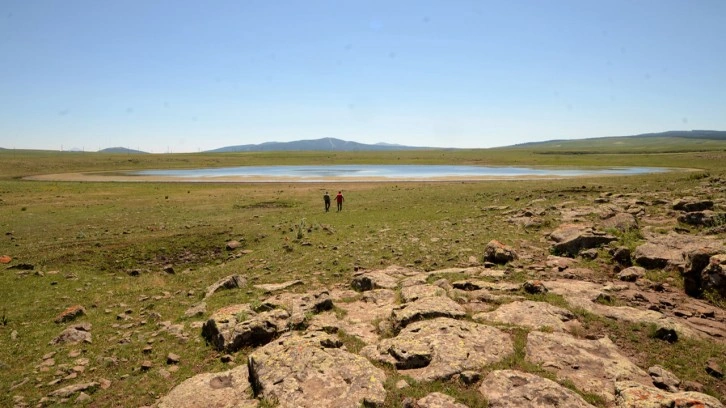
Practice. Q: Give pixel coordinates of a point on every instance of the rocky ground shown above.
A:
(526, 324)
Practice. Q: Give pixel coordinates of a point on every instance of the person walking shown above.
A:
(339, 200)
(326, 199)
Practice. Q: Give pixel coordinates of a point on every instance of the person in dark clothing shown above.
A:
(326, 199)
(339, 200)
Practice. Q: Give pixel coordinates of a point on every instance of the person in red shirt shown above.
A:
(339, 200)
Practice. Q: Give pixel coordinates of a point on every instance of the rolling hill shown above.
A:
(324, 144)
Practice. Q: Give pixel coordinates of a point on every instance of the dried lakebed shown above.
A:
(351, 173)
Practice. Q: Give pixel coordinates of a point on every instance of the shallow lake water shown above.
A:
(385, 172)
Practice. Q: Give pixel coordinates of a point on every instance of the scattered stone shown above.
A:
(169, 269)
(300, 305)
(630, 394)
(229, 282)
(5, 259)
(228, 389)
(713, 368)
(440, 348)
(311, 371)
(14, 335)
(470, 377)
(426, 308)
(589, 254)
(516, 389)
(74, 334)
(146, 365)
(172, 358)
(197, 310)
(534, 287)
(664, 379)
(631, 274)
(83, 398)
(274, 287)
(692, 386)
(232, 245)
(66, 392)
(401, 384)
(227, 358)
(591, 365)
(529, 314)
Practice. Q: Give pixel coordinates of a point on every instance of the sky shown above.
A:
(188, 76)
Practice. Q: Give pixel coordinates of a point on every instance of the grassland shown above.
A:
(82, 238)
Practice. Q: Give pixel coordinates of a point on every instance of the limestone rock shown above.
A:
(416, 292)
(74, 334)
(534, 315)
(197, 310)
(499, 253)
(311, 370)
(232, 333)
(440, 348)
(592, 365)
(274, 287)
(670, 250)
(229, 282)
(620, 221)
(713, 277)
(299, 305)
(426, 308)
(631, 274)
(515, 389)
(69, 390)
(228, 389)
(664, 379)
(570, 239)
(690, 204)
(631, 394)
(374, 280)
(438, 400)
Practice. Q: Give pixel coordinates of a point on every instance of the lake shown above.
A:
(383, 173)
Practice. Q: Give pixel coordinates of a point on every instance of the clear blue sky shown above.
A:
(184, 76)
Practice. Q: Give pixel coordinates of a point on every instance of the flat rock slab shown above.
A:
(516, 389)
(438, 400)
(441, 348)
(229, 282)
(634, 395)
(583, 294)
(274, 287)
(360, 317)
(374, 280)
(533, 315)
(670, 250)
(592, 365)
(426, 308)
(300, 304)
(312, 371)
(228, 389)
(74, 334)
(570, 239)
(416, 292)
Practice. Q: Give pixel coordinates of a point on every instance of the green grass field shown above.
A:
(83, 237)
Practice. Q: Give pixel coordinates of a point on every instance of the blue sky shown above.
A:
(185, 76)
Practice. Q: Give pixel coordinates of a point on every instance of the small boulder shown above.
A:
(74, 334)
(713, 277)
(232, 245)
(516, 389)
(534, 287)
(70, 313)
(499, 253)
(630, 394)
(631, 274)
(664, 379)
(571, 239)
(621, 255)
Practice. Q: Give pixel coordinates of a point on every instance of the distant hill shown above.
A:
(121, 150)
(324, 144)
(671, 141)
